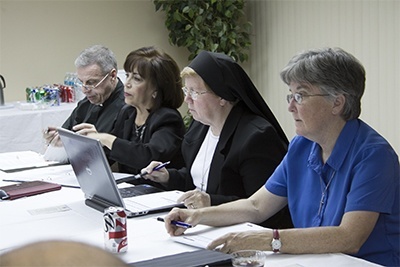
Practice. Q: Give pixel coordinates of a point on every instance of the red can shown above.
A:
(115, 231)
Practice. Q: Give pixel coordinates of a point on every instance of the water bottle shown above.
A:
(77, 85)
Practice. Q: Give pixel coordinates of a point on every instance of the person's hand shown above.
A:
(52, 137)
(231, 242)
(184, 215)
(195, 199)
(85, 129)
(159, 176)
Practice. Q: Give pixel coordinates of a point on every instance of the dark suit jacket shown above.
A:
(246, 155)
(161, 140)
(103, 117)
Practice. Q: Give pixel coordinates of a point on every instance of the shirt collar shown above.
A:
(340, 150)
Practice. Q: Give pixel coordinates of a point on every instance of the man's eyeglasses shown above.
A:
(299, 97)
(91, 87)
(193, 94)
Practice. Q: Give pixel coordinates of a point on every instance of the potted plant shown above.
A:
(213, 25)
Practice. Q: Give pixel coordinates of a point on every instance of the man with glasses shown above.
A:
(96, 69)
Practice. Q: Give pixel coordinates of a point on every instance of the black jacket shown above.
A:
(248, 151)
(161, 140)
(103, 117)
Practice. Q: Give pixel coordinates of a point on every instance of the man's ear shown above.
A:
(114, 74)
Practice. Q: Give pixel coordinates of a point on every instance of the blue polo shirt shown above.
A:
(362, 174)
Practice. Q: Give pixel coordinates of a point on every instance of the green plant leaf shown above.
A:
(214, 25)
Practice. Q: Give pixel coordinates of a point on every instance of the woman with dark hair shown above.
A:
(149, 126)
(234, 143)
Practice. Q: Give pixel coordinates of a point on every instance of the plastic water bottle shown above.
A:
(67, 78)
(77, 85)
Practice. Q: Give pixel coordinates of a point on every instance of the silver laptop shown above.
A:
(94, 175)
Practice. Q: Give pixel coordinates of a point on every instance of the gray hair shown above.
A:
(99, 55)
(334, 71)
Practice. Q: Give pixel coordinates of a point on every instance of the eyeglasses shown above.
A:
(299, 97)
(193, 94)
(91, 87)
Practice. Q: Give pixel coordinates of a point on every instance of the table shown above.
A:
(21, 130)
(63, 215)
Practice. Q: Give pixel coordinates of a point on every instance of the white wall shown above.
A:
(369, 29)
(40, 39)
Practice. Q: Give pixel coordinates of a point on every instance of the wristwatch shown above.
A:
(276, 242)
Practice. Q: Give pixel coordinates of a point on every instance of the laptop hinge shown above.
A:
(98, 203)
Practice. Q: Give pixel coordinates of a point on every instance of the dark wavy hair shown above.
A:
(160, 70)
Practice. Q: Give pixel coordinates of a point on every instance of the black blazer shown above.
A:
(161, 140)
(103, 117)
(248, 151)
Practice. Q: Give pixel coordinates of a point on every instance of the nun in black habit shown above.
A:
(233, 144)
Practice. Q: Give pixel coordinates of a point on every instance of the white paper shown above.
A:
(153, 201)
(61, 174)
(22, 159)
(201, 235)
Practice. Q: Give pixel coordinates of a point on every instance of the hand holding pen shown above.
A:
(177, 223)
(51, 136)
(156, 172)
(155, 166)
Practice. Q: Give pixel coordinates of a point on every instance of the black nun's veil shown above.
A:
(228, 80)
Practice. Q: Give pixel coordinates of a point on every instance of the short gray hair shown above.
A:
(99, 55)
(334, 71)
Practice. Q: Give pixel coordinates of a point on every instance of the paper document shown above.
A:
(154, 201)
(10, 161)
(61, 174)
(201, 235)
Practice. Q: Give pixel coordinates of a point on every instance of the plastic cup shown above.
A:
(248, 258)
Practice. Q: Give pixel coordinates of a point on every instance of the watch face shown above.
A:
(276, 244)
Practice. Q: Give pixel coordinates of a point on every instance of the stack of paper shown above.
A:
(201, 235)
(14, 161)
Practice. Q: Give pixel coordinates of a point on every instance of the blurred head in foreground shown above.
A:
(59, 253)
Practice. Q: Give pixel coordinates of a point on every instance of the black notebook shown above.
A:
(196, 258)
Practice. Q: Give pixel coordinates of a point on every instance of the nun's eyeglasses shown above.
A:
(193, 94)
(298, 98)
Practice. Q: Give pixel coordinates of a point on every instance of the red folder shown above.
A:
(27, 189)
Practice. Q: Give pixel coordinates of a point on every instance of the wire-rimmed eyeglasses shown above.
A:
(298, 98)
(91, 87)
(192, 93)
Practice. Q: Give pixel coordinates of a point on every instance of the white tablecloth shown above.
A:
(21, 130)
(63, 215)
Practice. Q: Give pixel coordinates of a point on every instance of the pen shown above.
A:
(177, 223)
(137, 176)
(46, 132)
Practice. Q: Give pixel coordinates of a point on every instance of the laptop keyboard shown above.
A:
(138, 190)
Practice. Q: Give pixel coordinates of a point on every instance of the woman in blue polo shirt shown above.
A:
(340, 178)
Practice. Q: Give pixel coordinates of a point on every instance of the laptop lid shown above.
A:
(90, 165)
(94, 175)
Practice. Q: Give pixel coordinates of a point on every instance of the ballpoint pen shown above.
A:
(158, 167)
(177, 223)
(140, 175)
